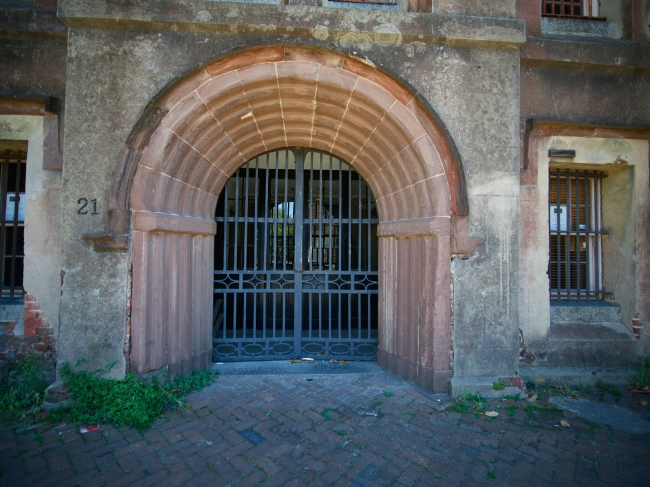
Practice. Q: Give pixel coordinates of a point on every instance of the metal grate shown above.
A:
(296, 261)
(13, 165)
(571, 8)
(575, 235)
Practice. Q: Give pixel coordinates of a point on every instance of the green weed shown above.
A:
(468, 403)
(606, 387)
(491, 475)
(129, 402)
(498, 385)
(388, 394)
(325, 413)
(643, 379)
(22, 388)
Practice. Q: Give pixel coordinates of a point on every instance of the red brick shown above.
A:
(35, 323)
(29, 298)
(47, 339)
(32, 306)
(33, 314)
(10, 327)
(45, 330)
(30, 332)
(41, 347)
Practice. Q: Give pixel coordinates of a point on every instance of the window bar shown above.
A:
(567, 247)
(589, 288)
(578, 238)
(3, 229)
(598, 236)
(558, 276)
(14, 242)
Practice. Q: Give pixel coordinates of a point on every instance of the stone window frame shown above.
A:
(623, 153)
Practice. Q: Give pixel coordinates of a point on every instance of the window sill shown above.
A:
(582, 27)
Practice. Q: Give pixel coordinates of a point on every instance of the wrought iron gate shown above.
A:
(295, 261)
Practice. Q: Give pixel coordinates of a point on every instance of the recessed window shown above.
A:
(13, 166)
(575, 233)
(571, 9)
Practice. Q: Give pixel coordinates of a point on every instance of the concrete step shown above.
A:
(586, 376)
(602, 344)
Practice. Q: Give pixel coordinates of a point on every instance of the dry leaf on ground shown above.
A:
(532, 398)
(565, 424)
(643, 403)
(491, 414)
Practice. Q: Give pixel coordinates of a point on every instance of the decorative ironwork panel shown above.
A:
(296, 261)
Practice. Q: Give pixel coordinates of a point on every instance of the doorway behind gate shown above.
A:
(296, 261)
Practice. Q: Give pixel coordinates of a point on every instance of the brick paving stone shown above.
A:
(300, 446)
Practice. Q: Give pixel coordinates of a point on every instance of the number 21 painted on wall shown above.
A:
(83, 209)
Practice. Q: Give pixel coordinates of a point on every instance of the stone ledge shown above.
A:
(608, 56)
(207, 17)
(31, 25)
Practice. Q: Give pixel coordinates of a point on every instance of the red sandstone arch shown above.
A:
(202, 129)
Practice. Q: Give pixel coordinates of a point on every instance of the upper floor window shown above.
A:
(588, 9)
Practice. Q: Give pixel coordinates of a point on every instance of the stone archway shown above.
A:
(197, 133)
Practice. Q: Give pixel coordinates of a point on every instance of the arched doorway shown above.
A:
(195, 136)
(296, 260)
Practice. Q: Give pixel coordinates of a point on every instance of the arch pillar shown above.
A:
(414, 304)
(171, 314)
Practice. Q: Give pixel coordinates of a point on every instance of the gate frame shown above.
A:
(165, 190)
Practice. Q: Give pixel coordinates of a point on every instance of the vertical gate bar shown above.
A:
(299, 155)
(359, 229)
(349, 245)
(245, 182)
(340, 226)
(369, 246)
(265, 246)
(320, 215)
(329, 217)
(285, 210)
(236, 231)
(265, 223)
(275, 212)
(256, 196)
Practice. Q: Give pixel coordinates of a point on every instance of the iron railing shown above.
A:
(296, 260)
(575, 235)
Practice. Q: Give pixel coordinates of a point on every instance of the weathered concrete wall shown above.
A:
(467, 70)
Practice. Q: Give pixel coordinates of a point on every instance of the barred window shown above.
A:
(13, 165)
(571, 9)
(575, 233)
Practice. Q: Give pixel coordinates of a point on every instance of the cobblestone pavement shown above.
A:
(359, 430)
